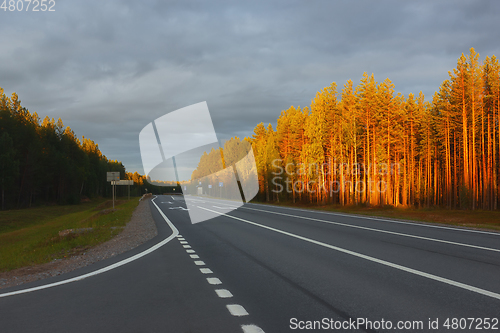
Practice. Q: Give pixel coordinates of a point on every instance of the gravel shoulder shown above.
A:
(138, 230)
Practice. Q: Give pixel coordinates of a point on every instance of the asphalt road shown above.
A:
(267, 269)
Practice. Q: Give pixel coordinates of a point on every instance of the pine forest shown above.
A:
(43, 162)
(367, 145)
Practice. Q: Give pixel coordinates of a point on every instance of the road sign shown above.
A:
(122, 182)
(220, 184)
(114, 175)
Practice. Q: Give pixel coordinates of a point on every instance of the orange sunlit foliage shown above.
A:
(368, 145)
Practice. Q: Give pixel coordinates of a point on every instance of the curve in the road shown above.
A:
(175, 232)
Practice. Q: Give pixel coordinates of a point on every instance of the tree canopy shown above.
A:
(44, 161)
(369, 145)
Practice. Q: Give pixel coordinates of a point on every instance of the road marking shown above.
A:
(251, 329)
(363, 256)
(182, 208)
(195, 200)
(183, 242)
(175, 232)
(223, 207)
(383, 220)
(223, 293)
(374, 218)
(237, 310)
(199, 263)
(214, 281)
(378, 230)
(206, 270)
(181, 239)
(194, 256)
(186, 246)
(190, 251)
(179, 236)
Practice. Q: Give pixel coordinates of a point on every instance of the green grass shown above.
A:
(12, 220)
(479, 219)
(29, 237)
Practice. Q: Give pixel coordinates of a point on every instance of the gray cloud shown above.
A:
(110, 68)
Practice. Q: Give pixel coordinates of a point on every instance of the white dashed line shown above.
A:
(251, 329)
(223, 293)
(237, 310)
(214, 281)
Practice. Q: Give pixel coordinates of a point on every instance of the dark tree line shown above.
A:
(43, 161)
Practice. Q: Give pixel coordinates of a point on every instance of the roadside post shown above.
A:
(113, 177)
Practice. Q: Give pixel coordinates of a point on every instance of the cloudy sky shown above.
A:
(109, 68)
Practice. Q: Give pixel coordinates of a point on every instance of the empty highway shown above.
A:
(263, 268)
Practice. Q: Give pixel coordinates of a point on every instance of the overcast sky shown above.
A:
(109, 68)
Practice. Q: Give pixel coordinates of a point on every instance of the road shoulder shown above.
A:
(138, 230)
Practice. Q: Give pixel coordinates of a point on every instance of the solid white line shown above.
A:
(195, 200)
(175, 232)
(190, 251)
(206, 270)
(237, 310)
(223, 293)
(416, 223)
(251, 329)
(186, 246)
(378, 230)
(194, 256)
(363, 256)
(214, 281)
(199, 263)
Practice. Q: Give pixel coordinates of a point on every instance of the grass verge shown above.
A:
(478, 219)
(39, 238)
